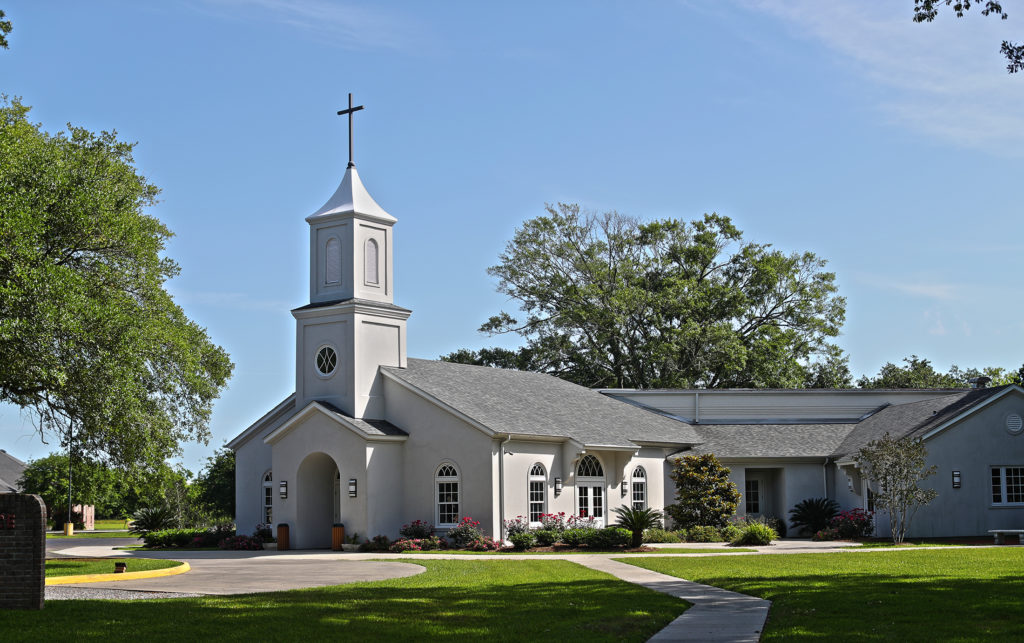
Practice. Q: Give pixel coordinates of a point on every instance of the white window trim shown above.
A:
(267, 482)
(634, 480)
(530, 479)
(337, 358)
(1002, 484)
(366, 262)
(592, 481)
(438, 479)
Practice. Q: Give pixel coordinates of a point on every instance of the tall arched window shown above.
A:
(370, 255)
(590, 488)
(446, 482)
(537, 491)
(332, 272)
(639, 486)
(267, 498)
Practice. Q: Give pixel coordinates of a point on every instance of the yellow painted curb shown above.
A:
(103, 578)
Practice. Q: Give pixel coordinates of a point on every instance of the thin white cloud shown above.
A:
(946, 79)
(343, 24)
(935, 320)
(916, 287)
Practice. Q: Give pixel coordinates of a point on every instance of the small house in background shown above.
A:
(11, 470)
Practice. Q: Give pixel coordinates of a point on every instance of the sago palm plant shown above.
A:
(636, 521)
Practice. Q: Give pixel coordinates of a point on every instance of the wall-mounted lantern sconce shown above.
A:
(956, 479)
(622, 488)
(558, 486)
(284, 489)
(351, 487)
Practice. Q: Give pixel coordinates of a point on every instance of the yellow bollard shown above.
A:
(69, 529)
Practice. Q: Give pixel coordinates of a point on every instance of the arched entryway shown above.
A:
(315, 502)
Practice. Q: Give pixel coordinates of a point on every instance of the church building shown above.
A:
(374, 439)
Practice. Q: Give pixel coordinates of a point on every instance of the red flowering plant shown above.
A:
(484, 544)
(417, 544)
(853, 523)
(417, 529)
(241, 542)
(517, 525)
(465, 532)
(553, 522)
(581, 522)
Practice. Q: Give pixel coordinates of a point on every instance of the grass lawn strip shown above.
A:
(574, 552)
(961, 594)
(93, 534)
(81, 566)
(544, 600)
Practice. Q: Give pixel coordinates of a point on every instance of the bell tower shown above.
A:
(351, 325)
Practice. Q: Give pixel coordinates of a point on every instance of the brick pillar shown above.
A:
(22, 551)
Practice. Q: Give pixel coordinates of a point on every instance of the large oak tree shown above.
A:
(90, 341)
(610, 301)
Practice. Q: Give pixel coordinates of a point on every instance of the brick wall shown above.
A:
(22, 551)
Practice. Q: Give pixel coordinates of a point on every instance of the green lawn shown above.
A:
(79, 566)
(464, 600)
(961, 594)
(93, 534)
(111, 523)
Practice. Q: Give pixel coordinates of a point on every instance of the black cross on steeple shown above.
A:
(351, 110)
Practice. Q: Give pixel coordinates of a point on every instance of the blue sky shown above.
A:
(891, 149)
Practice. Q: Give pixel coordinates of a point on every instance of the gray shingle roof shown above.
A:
(370, 427)
(524, 403)
(914, 419)
(353, 300)
(771, 440)
(11, 470)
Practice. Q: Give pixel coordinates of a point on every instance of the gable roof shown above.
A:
(11, 470)
(916, 419)
(771, 440)
(376, 430)
(535, 404)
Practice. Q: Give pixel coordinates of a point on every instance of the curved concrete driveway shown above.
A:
(241, 572)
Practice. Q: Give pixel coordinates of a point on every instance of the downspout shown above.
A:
(501, 487)
(696, 407)
(824, 475)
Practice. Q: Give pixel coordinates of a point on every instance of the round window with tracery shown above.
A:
(326, 360)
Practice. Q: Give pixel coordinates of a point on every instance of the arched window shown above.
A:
(268, 497)
(370, 255)
(590, 488)
(333, 261)
(446, 480)
(538, 482)
(639, 486)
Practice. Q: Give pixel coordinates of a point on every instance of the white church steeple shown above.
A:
(351, 325)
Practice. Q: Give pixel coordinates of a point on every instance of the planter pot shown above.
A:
(349, 547)
(269, 545)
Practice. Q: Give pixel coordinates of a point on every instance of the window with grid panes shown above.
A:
(447, 482)
(537, 496)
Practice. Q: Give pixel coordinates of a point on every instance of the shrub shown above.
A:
(855, 523)
(607, 538)
(813, 514)
(546, 537)
(703, 534)
(417, 529)
(241, 542)
(484, 544)
(175, 538)
(429, 543)
(828, 533)
(465, 532)
(731, 532)
(522, 540)
(682, 535)
(636, 521)
(59, 516)
(581, 522)
(657, 535)
(704, 493)
(755, 533)
(380, 542)
(576, 536)
(553, 522)
(517, 525)
(150, 519)
(265, 532)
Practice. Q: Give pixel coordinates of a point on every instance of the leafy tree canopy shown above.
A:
(927, 10)
(5, 28)
(89, 339)
(896, 467)
(919, 373)
(216, 483)
(610, 301)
